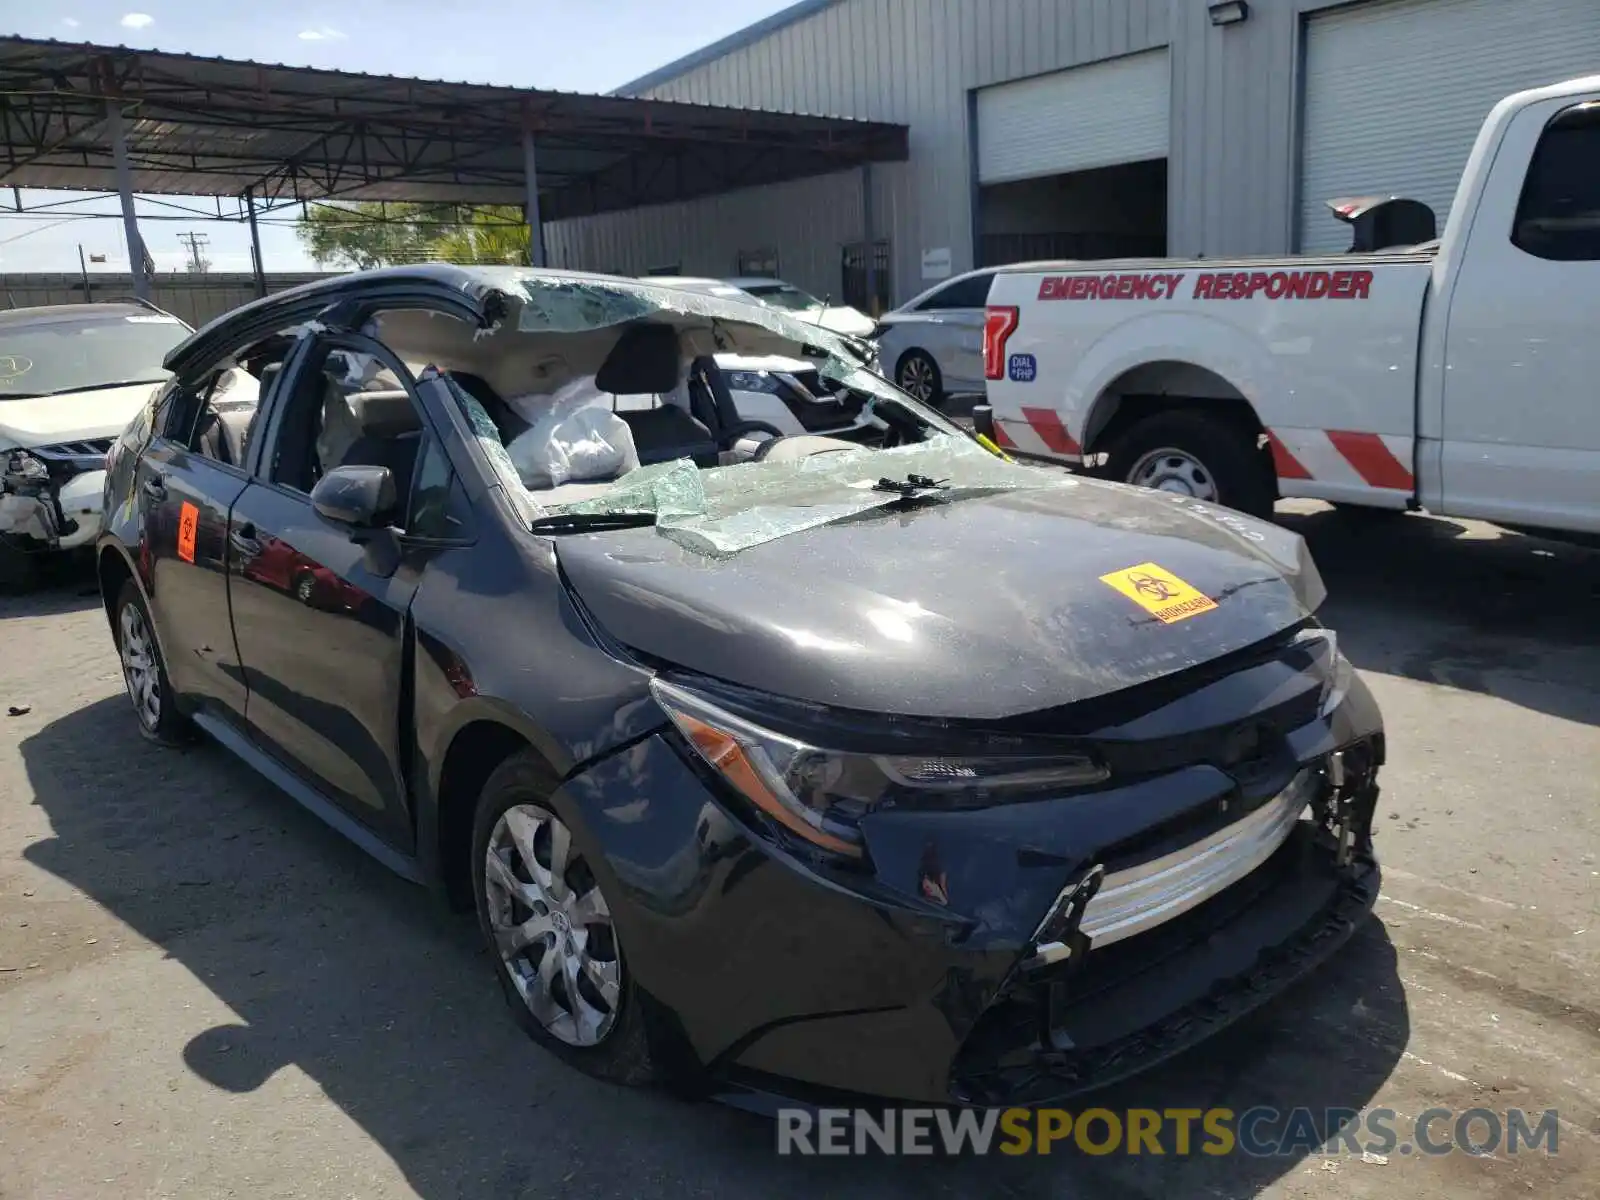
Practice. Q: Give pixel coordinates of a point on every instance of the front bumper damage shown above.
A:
(50, 497)
(1016, 955)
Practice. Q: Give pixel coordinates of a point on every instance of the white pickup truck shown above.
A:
(1460, 376)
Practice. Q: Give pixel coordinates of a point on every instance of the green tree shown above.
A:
(372, 234)
(494, 234)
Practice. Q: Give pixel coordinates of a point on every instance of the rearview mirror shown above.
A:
(356, 497)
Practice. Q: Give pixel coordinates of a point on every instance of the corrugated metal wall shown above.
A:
(1231, 169)
(195, 298)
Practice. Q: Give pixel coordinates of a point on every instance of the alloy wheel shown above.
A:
(551, 926)
(916, 377)
(1173, 470)
(140, 670)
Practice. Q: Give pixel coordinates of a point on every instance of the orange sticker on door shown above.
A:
(1159, 592)
(188, 525)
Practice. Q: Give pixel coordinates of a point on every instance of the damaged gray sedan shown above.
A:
(861, 761)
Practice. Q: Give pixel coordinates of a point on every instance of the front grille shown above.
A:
(1133, 900)
(86, 454)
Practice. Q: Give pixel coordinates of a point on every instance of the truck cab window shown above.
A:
(1558, 216)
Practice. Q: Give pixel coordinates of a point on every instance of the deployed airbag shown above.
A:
(572, 439)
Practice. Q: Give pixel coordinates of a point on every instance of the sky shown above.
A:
(570, 45)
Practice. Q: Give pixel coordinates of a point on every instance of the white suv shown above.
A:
(71, 378)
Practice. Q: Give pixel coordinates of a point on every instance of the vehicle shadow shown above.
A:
(66, 585)
(1469, 607)
(387, 1003)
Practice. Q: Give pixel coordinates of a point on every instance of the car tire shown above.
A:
(918, 375)
(144, 672)
(1194, 454)
(19, 569)
(305, 587)
(516, 819)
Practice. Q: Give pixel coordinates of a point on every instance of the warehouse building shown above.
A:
(1088, 128)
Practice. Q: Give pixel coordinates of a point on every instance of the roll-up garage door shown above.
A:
(1395, 92)
(1094, 116)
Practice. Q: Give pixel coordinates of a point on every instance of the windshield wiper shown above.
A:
(591, 522)
(100, 387)
(911, 485)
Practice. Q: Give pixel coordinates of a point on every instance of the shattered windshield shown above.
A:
(576, 467)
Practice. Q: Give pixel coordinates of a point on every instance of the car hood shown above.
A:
(71, 416)
(982, 607)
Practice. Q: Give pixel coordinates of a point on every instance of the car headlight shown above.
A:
(821, 795)
(752, 381)
(1337, 672)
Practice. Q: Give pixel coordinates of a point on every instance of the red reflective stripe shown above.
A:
(1002, 438)
(1372, 460)
(1285, 463)
(1047, 424)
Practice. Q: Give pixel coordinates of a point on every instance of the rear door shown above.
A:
(185, 483)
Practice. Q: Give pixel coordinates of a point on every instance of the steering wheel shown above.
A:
(739, 429)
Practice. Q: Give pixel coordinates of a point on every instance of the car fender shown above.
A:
(110, 545)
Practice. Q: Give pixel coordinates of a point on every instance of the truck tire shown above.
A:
(1192, 454)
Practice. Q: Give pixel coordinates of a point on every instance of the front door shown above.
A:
(320, 618)
(1521, 423)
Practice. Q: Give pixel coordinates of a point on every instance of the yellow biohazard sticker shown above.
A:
(1159, 592)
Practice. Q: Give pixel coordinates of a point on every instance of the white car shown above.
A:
(932, 345)
(775, 293)
(71, 378)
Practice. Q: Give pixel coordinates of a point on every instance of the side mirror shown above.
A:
(360, 498)
(983, 421)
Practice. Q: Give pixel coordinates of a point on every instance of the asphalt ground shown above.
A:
(204, 992)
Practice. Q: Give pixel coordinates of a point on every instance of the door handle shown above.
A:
(155, 487)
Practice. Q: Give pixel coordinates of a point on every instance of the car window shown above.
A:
(1558, 216)
(963, 293)
(347, 407)
(212, 416)
(439, 507)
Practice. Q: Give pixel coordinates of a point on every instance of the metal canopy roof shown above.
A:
(217, 127)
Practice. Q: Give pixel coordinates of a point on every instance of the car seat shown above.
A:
(647, 361)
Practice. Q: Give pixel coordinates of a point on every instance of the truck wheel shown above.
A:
(919, 375)
(1193, 455)
(19, 570)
